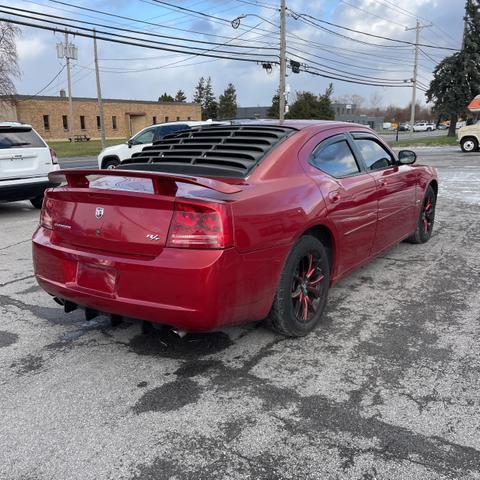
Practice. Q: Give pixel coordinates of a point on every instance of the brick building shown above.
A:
(49, 115)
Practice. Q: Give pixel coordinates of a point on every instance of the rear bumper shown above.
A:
(24, 191)
(194, 290)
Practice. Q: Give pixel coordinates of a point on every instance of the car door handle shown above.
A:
(334, 196)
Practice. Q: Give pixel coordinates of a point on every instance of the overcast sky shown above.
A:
(122, 75)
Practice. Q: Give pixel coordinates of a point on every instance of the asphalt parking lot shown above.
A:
(387, 388)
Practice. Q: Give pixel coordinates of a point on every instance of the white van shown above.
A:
(25, 162)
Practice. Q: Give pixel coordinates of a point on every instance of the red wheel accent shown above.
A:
(427, 215)
(307, 287)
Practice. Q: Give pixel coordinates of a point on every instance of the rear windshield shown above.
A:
(19, 138)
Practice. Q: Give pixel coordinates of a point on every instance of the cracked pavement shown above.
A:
(386, 388)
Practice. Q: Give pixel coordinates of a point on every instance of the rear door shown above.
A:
(350, 197)
(23, 154)
(395, 185)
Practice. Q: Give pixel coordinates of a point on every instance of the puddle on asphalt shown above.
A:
(7, 338)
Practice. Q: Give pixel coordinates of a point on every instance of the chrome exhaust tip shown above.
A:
(179, 333)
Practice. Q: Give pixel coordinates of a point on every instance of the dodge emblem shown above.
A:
(99, 212)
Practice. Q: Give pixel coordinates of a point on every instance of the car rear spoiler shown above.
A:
(78, 178)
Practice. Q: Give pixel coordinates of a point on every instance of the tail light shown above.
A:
(46, 213)
(53, 154)
(201, 225)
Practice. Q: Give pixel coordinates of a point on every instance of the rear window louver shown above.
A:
(230, 150)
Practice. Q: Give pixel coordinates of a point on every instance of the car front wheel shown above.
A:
(110, 163)
(302, 291)
(469, 144)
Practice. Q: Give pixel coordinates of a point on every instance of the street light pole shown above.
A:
(283, 62)
(283, 54)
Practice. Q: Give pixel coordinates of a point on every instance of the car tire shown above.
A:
(37, 202)
(429, 129)
(469, 144)
(110, 163)
(302, 292)
(426, 218)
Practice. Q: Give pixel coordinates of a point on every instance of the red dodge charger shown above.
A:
(226, 224)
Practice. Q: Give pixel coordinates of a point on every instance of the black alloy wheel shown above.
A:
(303, 289)
(110, 163)
(426, 218)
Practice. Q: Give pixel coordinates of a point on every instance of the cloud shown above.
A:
(254, 86)
(30, 48)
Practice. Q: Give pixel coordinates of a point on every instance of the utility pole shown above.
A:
(418, 28)
(99, 91)
(68, 51)
(283, 62)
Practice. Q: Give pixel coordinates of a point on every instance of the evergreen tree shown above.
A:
(180, 96)
(273, 111)
(165, 98)
(456, 79)
(308, 105)
(199, 95)
(210, 105)
(227, 102)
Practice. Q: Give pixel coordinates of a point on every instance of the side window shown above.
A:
(144, 137)
(162, 132)
(375, 156)
(336, 159)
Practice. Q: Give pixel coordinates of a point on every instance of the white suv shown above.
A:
(25, 162)
(110, 157)
(424, 127)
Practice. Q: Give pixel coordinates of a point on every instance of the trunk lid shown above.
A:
(117, 212)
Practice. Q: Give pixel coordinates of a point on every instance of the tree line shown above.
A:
(223, 108)
(305, 104)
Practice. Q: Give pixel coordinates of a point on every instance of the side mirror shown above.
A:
(406, 157)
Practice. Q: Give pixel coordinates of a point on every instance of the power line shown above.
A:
(348, 72)
(185, 9)
(259, 4)
(135, 44)
(130, 19)
(157, 35)
(167, 65)
(408, 13)
(319, 73)
(352, 53)
(341, 35)
(312, 21)
(331, 60)
(372, 14)
(120, 29)
(47, 85)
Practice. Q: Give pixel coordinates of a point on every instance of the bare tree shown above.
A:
(9, 69)
(376, 100)
(353, 99)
